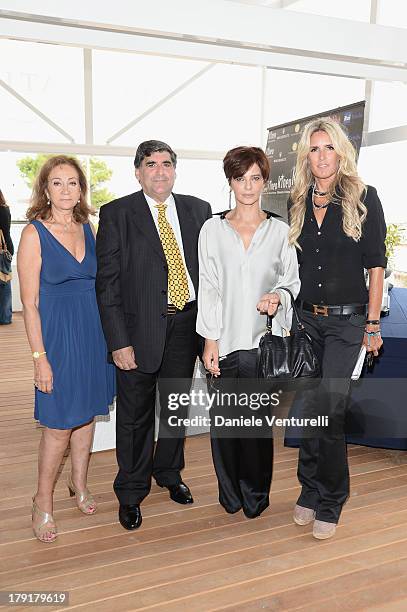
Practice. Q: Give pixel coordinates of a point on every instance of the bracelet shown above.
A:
(370, 335)
(373, 322)
(37, 355)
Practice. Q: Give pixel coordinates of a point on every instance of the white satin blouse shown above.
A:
(233, 279)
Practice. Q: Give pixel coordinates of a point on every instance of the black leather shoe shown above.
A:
(130, 516)
(180, 493)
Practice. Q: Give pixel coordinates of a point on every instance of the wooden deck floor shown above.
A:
(198, 557)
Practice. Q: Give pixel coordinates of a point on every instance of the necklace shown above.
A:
(318, 193)
(65, 225)
(320, 205)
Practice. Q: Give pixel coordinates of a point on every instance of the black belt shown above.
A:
(327, 311)
(172, 310)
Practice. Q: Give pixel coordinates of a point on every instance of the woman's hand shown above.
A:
(372, 343)
(269, 303)
(43, 379)
(210, 357)
(376, 280)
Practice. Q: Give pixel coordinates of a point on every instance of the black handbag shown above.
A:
(5, 261)
(291, 359)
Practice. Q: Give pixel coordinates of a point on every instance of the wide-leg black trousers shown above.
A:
(243, 465)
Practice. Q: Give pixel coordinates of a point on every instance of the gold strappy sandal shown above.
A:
(46, 525)
(84, 499)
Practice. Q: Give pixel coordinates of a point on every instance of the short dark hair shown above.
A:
(237, 162)
(148, 147)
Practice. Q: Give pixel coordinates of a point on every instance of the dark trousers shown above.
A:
(243, 466)
(135, 419)
(323, 465)
(5, 303)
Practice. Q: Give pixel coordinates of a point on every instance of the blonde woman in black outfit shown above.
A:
(5, 288)
(338, 227)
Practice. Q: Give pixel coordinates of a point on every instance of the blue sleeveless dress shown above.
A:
(84, 383)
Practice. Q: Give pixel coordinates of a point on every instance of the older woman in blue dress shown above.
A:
(244, 257)
(57, 269)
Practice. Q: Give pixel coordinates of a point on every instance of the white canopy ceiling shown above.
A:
(217, 30)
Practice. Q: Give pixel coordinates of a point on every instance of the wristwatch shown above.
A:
(37, 355)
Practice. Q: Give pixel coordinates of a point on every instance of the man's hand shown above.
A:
(124, 358)
(269, 303)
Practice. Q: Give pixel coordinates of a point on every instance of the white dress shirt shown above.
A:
(233, 279)
(172, 218)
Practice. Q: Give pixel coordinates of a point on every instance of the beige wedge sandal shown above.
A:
(45, 525)
(84, 499)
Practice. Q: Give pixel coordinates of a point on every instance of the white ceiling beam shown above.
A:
(269, 3)
(374, 5)
(285, 3)
(102, 150)
(380, 137)
(88, 94)
(215, 51)
(221, 21)
(35, 110)
(160, 103)
(228, 24)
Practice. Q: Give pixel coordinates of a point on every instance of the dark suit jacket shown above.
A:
(132, 276)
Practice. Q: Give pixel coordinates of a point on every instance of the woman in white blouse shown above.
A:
(244, 261)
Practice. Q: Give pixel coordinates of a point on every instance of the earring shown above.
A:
(230, 199)
(49, 203)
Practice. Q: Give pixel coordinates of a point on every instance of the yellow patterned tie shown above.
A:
(177, 276)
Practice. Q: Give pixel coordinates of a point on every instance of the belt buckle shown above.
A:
(320, 310)
(171, 309)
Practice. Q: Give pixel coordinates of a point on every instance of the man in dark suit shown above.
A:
(146, 285)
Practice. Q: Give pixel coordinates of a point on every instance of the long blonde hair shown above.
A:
(347, 185)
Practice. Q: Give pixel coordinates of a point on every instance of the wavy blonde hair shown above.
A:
(346, 186)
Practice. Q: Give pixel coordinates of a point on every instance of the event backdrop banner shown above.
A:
(282, 146)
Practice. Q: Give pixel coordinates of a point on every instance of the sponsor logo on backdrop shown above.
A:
(282, 145)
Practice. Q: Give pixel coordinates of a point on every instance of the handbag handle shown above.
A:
(295, 310)
(3, 246)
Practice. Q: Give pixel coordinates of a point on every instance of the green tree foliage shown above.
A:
(100, 173)
(101, 196)
(30, 166)
(394, 237)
